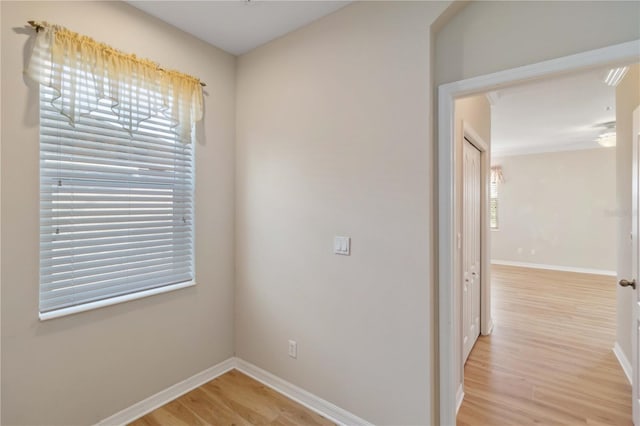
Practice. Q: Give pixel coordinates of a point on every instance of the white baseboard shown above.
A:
(147, 405)
(624, 362)
(554, 267)
(459, 397)
(489, 328)
(301, 396)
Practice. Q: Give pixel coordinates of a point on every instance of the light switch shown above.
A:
(342, 245)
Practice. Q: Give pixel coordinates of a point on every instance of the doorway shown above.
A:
(626, 52)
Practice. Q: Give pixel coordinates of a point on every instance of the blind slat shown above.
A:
(76, 220)
(79, 238)
(81, 276)
(63, 230)
(113, 248)
(112, 212)
(67, 263)
(65, 298)
(116, 279)
(124, 178)
(53, 302)
(101, 156)
(98, 245)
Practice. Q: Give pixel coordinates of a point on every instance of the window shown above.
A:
(116, 173)
(493, 205)
(116, 206)
(116, 209)
(496, 178)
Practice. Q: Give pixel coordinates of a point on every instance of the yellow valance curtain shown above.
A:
(87, 74)
(496, 174)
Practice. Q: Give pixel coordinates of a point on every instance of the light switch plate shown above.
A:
(342, 245)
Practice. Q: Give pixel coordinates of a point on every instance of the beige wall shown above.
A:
(627, 100)
(82, 368)
(474, 112)
(489, 36)
(334, 139)
(558, 208)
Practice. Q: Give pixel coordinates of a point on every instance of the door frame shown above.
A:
(618, 54)
(635, 317)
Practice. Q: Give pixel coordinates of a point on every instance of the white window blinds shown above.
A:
(116, 207)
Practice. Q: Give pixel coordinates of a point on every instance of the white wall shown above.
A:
(558, 208)
(489, 36)
(82, 368)
(334, 139)
(627, 100)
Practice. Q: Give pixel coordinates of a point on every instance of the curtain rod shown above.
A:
(38, 27)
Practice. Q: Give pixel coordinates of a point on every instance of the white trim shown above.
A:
(555, 267)
(446, 265)
(635, 267)
(623, 360)
(147, 405)
(459, 397)
(617, 54)
(44, 316)
(301, 396)
(490, 326)
(493, 97)
(469, 132)
(544, 149)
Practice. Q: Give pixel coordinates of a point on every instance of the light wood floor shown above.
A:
(549, 359)
(232, 399)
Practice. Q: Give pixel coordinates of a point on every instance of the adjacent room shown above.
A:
(553, 219)
(238, 212)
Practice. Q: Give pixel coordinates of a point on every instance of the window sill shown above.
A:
(112, 301)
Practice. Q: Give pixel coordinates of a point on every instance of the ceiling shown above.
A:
(559, 114)
(238, 26)
(549, 115)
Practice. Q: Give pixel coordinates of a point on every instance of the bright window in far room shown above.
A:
(493, 205)
(495, 180)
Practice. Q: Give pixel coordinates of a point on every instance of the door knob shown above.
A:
(627, 283)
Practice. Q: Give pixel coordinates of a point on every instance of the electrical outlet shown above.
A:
(293, 349)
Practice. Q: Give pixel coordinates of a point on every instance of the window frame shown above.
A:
(494, 223)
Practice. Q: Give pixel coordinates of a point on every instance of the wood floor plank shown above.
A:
(232, 399)
(549, 359)
(212, 409)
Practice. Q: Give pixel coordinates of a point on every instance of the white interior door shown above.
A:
(635, 377)
(471, 203)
